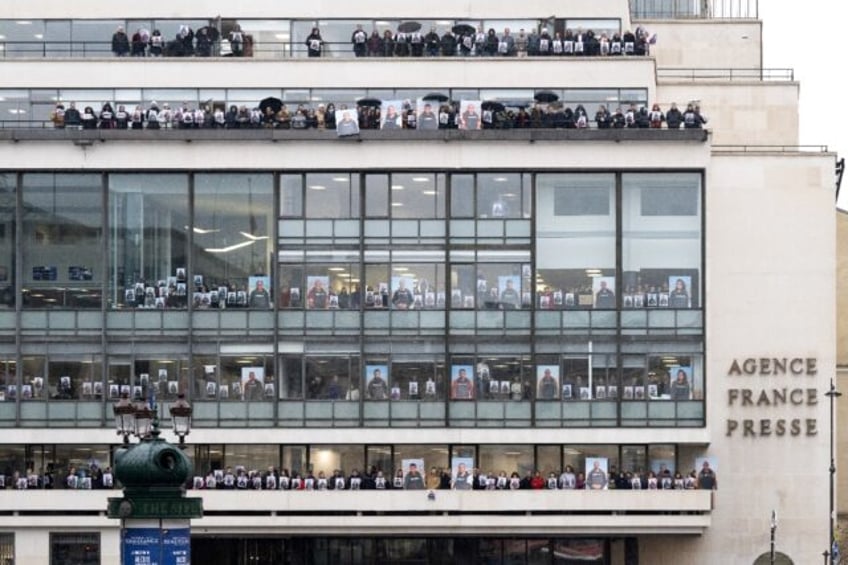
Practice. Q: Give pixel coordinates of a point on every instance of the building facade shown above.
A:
(511, 296)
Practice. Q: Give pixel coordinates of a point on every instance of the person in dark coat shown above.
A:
(388, 44)
(432, 43)
(120, 43)
(375, 44)
(359, 39)
(72, 116)
(448, 44)
(603, 118)
(673, 118)
(314, 43)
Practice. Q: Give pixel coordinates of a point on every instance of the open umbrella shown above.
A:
(409, 27)
(436, 97)
(369, 102)
(493, 106)
(546, 96)
(274, 103)
(463, 29)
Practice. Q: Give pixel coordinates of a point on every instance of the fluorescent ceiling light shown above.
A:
(500, 179)
(341, 179)
(429, 192)
(281, 35)
(202, 231)
(397, 204)
(339, 269)
(39, 35)
(397, 187)
(229, 248)
(318, 187)
(420, 179)
(253, 237)
(23, 22)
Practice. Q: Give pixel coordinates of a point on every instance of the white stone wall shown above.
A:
(706, 44)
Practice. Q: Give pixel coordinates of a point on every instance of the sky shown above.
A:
(808, 37)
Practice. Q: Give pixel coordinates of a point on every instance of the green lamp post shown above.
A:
(154, 511)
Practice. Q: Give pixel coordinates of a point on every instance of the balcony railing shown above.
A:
(687, 9)
(383, 512)
(701, 74)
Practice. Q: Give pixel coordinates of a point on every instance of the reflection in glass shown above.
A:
(62, 232)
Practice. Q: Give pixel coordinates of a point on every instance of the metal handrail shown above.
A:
(758, 74)
(700, 9)
(771, 148)
(258, 50)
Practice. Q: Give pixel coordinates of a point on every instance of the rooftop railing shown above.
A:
(701, 74)
(698, 9)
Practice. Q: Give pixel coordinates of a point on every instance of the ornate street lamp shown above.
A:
(143, 419)
(124, 418)
(181, 418)
(833, 549)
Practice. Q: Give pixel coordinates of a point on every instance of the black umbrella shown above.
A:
(369, 102)
(463, 29)
(437, 97)
(409, 27)
(493, 106)
(546, 96)
(274, 103)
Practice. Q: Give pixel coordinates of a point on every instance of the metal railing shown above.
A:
(762, 74)
(770, 149)
(265, 50)
(699, 9)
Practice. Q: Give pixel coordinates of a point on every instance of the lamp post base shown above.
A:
(156, 542)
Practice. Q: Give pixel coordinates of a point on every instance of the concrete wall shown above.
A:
(322, 9)
(706, 44)
(740, 113)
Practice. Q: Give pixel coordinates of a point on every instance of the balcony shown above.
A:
(348, 513)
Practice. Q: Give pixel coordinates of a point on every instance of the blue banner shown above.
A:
(152, 546)
(141, 546)
(176, 546)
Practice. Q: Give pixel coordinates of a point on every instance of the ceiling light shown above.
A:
(500, 179)
(2, 37)
(397, 187)
(397, 204)
(338, 269)
(202, 231)
(39, 35)
(230, 248)
(281, 35)
(400, 268)
(318, 187)
(354, 280)
(23, 22)
(341, 179)
(429, 192)
(420, 179)
(509, 195)
(253, 237)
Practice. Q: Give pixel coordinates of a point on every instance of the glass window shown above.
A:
(332, 195)
(62, 225)
(675, 377)
(9, 379)
(549, 459)
(82, 548)
(377, 379)
(332, 378)
(79, 461)
(499, 195)
(507, 458)
(377, 195)
(502, 286)
(167, 377)
(291, 195)
(576, 455)
(418, 380)
(418, 195)
(7, 548)
(633, 459)
(661, 240)
(435, 458)
(575, 245)
(291, 377)
(664, 456)
(377, 286)
(7, 240)
(503, 378)
(249, 378)
(380, 457)
(72, 378)
(149, 225)
(294, 458)
(232, 234)
(327, 286)
(462, 196)
(575, 378)
(417, 286)
(258, 457)
(327, 459)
